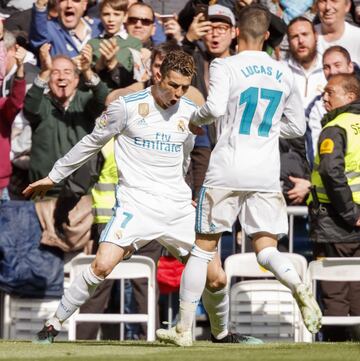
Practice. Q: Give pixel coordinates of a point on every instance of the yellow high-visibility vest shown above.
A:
(351, 124)
(103, 192)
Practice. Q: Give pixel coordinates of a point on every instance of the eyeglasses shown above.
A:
(221, 29)
(132, 20)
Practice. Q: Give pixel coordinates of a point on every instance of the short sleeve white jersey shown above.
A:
(151, 144)
(248, 95)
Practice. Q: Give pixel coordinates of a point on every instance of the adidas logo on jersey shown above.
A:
(142, 122)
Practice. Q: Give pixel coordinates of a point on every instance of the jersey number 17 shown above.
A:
(250, 97)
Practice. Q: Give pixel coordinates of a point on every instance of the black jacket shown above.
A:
(336, 225)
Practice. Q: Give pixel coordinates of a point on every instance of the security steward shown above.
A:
(334, 204)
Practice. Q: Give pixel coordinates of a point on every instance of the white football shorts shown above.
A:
(218, 209)
(140, 217)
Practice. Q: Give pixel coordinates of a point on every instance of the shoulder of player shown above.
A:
(137, 96)
(188, 101)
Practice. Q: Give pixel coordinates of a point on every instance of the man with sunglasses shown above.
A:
(140, 23)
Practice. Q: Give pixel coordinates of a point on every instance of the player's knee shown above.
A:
(217, 283)
(102, 268)
(206, 256)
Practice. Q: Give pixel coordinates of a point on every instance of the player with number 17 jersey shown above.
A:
(254, 100)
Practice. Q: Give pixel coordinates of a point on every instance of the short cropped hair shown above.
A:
(62, 56)
(143, 5)
(301, 19)
(178, 61)
(349, 82)
(253, 21)
(119, 5)
(164, 49)
(338, 49)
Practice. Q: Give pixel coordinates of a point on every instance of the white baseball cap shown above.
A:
(222, 13)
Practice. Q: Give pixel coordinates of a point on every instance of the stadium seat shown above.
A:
(135, 267)
(335, 269)
(263, 307)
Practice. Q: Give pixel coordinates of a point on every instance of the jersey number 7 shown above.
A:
(250, 97)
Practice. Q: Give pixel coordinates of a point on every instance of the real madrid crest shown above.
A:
(181, 125)
(143, 109)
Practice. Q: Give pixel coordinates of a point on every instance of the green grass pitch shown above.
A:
(143, 351)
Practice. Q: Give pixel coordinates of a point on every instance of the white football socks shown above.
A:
(216, 305)
(81, 289)
(283, 269)
(192, 286)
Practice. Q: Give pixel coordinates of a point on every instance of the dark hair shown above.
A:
(338, 49)
(301, 19)
(349, 82)
(253, 21)
(143, 5)
(119, 5)
(178, 61)
(164, 49)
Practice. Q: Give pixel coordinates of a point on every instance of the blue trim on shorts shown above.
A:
(106, 230)
(111, 221)
(199, 210)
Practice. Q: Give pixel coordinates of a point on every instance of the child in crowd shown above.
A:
(112, 56)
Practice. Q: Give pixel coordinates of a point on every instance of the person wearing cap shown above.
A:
(208, 39)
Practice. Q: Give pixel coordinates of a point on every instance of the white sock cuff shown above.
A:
(263, 255)
(91, 278)
(196, 251)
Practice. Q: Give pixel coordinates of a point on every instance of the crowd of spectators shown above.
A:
(63, 61)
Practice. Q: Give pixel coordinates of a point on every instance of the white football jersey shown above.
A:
(151, 144)
(249, 92)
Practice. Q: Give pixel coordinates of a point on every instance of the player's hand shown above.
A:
(357, 224)
(300, 190)
(196, 129)
(198, 28)
(38, 188)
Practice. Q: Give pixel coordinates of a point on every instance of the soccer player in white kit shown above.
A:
(152, 143)
(249, 92)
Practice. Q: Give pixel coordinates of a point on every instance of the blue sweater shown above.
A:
(44, 31)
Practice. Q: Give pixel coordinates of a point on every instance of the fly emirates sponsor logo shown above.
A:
(162, 143)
